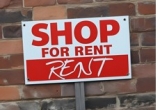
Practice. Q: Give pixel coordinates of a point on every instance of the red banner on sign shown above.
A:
(77, 68)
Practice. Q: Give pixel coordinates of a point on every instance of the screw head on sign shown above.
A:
(24, 25)
(124, 19)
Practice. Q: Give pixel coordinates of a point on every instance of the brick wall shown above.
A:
(137, 93)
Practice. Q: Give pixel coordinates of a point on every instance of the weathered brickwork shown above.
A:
(105, 95)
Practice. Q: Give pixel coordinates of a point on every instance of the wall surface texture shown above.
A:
(135, 94)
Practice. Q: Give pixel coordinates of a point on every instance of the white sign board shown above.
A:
(73, 50)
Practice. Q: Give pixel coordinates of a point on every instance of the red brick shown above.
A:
(13, 31)
(148, 39)
(16, 61)
(11, 47)
(135, 39)
(9, 93)
(144, 70)
(5, 62)
(146, 7)
(120, 87)
(27, 12)
(73, 1)
(12, 16)
(11, 61)
(94, 88)
(15, 4)
(146, 84)
(135, 56)
(108, 0)
(41, 91)
(102, 0)
(148, 55)
(91, 89)
(68, 90)
(122, 9)
(33, 3)
(143, 24)
(11, 3)
(4, 3)
(9, 106)
(84, 12)
(0, 32)
(12, 77)
(39, 13)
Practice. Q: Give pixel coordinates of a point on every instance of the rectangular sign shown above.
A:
(74, 50)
